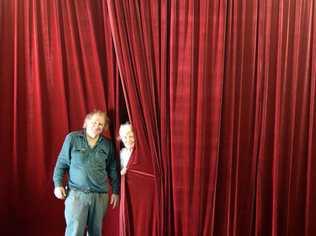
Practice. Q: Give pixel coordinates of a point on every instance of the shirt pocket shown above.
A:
(78, 153)
(101, 157)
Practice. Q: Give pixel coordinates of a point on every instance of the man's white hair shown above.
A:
(124, 128)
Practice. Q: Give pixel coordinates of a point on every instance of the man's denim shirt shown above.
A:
(88, 168)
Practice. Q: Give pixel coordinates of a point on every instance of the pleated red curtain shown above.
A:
(57, 63)
(268, 120)
(172, 69)
(222, 97)
(140, 196)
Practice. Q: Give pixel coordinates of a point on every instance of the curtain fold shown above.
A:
(221, 95)
(141, 99)
(231, 86)
(57, 63)
(159, 59)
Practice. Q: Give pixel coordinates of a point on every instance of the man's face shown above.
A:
(95, 125)
(128, 139)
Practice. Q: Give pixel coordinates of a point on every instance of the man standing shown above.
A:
(88, 159)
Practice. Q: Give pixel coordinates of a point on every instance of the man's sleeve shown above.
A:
(63, 162)
(112, 171)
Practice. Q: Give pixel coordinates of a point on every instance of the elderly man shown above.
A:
(88, 159)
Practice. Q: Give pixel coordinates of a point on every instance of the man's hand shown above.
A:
(60, 192)
(114, 200)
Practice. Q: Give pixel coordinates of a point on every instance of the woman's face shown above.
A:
(128, 139)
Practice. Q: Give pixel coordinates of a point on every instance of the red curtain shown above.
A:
(57, 63)
(222, 98)
(221, 95)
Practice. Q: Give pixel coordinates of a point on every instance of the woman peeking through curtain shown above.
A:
(126, 135)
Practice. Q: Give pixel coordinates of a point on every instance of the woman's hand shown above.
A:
(123, 171)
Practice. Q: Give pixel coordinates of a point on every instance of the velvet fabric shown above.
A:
(57, 64)
(221, 95)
